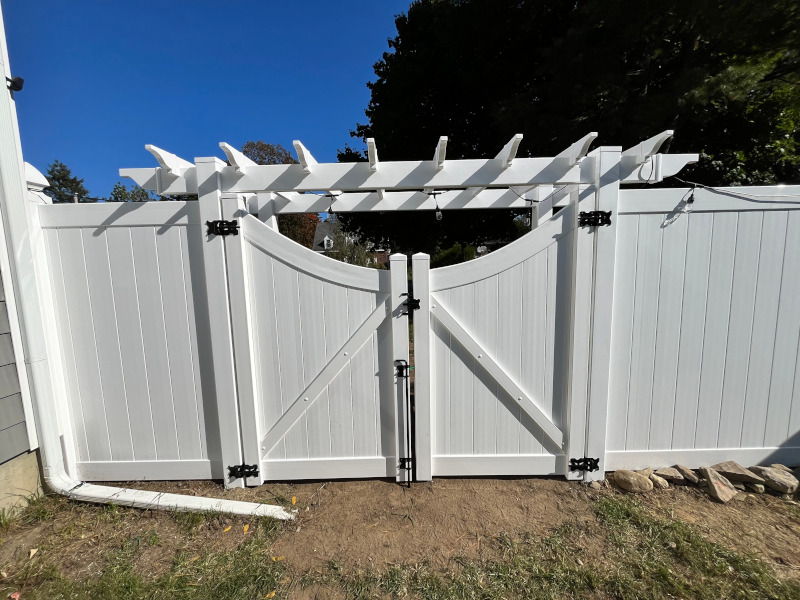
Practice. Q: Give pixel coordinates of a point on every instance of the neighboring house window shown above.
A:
(328, 243)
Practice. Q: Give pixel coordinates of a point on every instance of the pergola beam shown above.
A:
(375, 182)
(236, 159)
(579, 149)
(304, 156)
(170, 162)
(372, 153)
(441, 153)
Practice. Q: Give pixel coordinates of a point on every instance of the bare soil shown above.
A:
(376, 524)
(380, 523)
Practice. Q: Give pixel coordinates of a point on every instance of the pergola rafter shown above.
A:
(504, 181)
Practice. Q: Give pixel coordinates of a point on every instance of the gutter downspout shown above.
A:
(24, 267)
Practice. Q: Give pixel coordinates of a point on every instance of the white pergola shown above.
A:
(504, 181)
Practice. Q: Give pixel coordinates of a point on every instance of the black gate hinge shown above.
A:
(241, 471)
(223, 227)
(584, 464)
(595, 218)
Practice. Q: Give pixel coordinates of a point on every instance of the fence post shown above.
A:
(423, 384)
(220, 362)
(398, 294)
(607, 190)
(239, 297)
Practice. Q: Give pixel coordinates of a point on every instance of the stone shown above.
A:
(780, 467)
(632, 482)
(738, 485)
(776, 479)
(733, 471)
(756, 488)
(659, 482)
(596, 485)
(646, 472)
(687, 473)
(718, 487)
(670, 474)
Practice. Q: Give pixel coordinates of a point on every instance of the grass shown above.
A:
(645, 556)
(246, 572)
(628, 552)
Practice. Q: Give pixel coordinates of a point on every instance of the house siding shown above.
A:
(13, 430)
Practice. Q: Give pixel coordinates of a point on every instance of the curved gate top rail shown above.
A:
(308, 261)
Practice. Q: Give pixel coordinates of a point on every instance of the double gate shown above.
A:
(321, 359)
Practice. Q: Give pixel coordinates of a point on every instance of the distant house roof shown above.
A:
(324, 229)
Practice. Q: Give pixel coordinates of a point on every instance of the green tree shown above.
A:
(724, 76)
(349, 249)
(121, 193)
(64, 186)
(297, 227)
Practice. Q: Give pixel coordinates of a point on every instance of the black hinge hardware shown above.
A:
(402, 370)
(407, 464)
(223, 227)
(584, 464)
(410, 304)
(241, 471)
(595, 218)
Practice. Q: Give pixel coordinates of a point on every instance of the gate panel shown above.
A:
(322, 361)
(496, 364)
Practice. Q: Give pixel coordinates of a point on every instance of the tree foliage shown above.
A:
(121, 193)
(297, 227)
(348, 248)
(723, 75)
(64, 186)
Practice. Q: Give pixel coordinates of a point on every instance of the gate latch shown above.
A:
(410, 304)
(241, 471)
(223, 227)
(594, 218)
(584, 464)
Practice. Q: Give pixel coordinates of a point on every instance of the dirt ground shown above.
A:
(377, 524)
(380, 523)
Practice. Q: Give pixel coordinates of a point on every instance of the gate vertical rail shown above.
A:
(216, 284)
(420, 273)
(607, 176)
(592, 296)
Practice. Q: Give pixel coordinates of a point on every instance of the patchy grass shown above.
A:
(645, 556)
(246, 572)
(610, 546)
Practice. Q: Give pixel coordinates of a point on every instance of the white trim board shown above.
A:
(640, 459)
(497, 465)
(329, 468)
(144, 470)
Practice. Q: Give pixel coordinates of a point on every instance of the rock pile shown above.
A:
(722, 481)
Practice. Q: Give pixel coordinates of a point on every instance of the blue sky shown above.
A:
(104, 78)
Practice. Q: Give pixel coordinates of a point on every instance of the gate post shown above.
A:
(420, 276)
(592, 297)
(220, 362)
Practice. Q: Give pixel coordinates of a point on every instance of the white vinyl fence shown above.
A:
(704, 354)
(667, 334)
